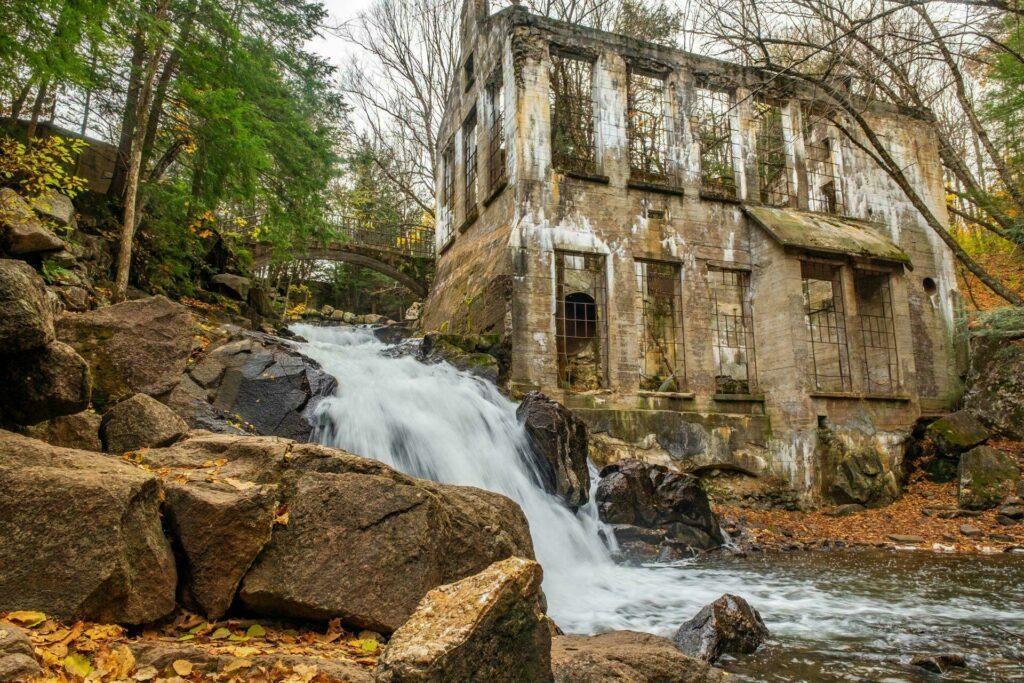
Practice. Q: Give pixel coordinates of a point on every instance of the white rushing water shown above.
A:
(435, 422)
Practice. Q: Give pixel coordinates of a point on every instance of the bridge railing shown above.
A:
(407, 240)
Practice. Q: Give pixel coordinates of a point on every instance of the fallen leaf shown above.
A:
(117, 663)
(186, 638)
(243, 651)
(256, 631)
(236, 664)
(182, 667)
(220, 634)
(77, 665)
(26, 619)
(146, 673)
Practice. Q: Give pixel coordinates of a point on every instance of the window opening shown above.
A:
(580, 320)
(877, 331)
(733, 330)
(572, 114)
(496, 149)
(661, 328)
(711, 124)
(823, 192)
(469, 162)
(773, 175)
(468, 72)
(647, 129)
(825, 313)
(448, 193)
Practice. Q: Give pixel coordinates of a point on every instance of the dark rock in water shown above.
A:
(995, 386)
(626, 657)
(986, 477)
(140, 422)
(135, 347)
(956, 433)
(81, 536)
(472, 354)
(559, 441)
(42, 384)
(392, 334)
(640, 494)
(728, 625)
(486, 627)
(940, 663)
(846, 510)
(26, 312)
(17, 656)
(81, 431)
(191, 402)
(220, 530)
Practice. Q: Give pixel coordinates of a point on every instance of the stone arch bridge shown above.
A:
(405, 255)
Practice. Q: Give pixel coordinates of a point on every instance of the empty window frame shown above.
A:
(497, 155)
(468, 73)
(773, 177)
(572, 114)
(825, 319)
(711, 125)
(877, 331)
(647, 128)
(732, 330)
(660, 339)
(469, 159)
(580, 323)
(447, 193)
(823, 191)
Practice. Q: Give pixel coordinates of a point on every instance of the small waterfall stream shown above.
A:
(834, 616)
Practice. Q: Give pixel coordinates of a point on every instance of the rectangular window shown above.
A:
(823, 192)
(825, 312)
(661, 328)
(572, 115)
(447, 193)
(647, 128)
(877, 331)
(775, 188)
(497, 156)
(468, 73)
(711, 124)
(469, 164)
(732, 330)
(580, 324)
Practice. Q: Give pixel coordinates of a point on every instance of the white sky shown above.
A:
(340, 11)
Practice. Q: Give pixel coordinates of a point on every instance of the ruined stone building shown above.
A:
(691, 256)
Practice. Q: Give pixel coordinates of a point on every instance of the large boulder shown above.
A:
(17, 656)
(140, 422)
(80, 535)
(81, 431)
(266, 384)
(26, 312)
(21, 230)
(986, 476)
(626, 657)
(133, 347)
(637, 496)
(43, 383)
(466, 353)
(235, 285)
(361, 542)
(956, 433)
(857, 473)
(220, 529)
(727, 625)
(995, 385)
(55, 206)
(486, 627)
(559, 441)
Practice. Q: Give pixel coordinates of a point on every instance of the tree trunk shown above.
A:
(37, 109)
(130, 114)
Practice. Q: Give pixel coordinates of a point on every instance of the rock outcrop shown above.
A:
(728, 625)
(235, 285)
(654, 509)
(469, 354)
(626, 657)
(858, 473)
(140, 422)
(486, 627)
(80, 535)
(956, 433)
(559, 441)
(995, 386)
(17, 656)
(81, 431)
(26, 312)
(985, 477)
(43, 383)
(133, 347)
(21, 231)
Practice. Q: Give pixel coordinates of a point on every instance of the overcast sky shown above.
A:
(332, 47)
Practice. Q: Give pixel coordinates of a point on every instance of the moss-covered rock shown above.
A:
(986, 476)
(956, 433)
(858, 474)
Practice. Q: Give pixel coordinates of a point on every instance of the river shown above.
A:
(834, 616)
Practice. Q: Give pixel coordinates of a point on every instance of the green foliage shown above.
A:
(999, 321)
(45, 165)
(53, 272)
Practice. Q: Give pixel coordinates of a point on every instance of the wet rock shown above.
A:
(940, 663)
(26, 312)
(220, 529)
(42, 384)
(190, 401)
(559, 441)
(393, 333)
(956, 433)
(438, 348)
(17, 656)
(81, 431)
(906, 538)
(80, 535)
(132, 347)
(326, 311)
(486, 627)
(995, 386)
(986, 476)
(640, 494)
(53, 205)
(860, 474)
(22, 232)
(728, 625)
(626, 657)
(140, 422)
(235, 285)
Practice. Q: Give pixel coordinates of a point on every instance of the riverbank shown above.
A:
(925, 517)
